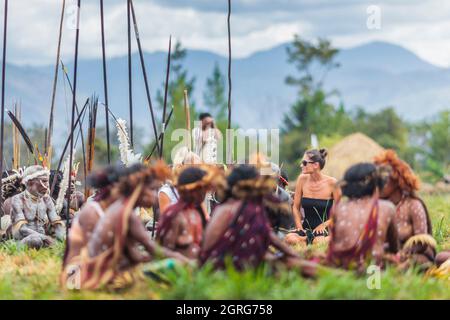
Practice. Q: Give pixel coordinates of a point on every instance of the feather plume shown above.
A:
(19, 127)
(63, 186)
(127, 156)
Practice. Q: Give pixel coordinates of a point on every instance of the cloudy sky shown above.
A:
(422, 26)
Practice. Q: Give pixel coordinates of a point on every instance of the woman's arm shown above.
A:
(418, 217)
(297, 203)
(140, 235)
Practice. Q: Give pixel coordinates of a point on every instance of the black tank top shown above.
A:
(317, 211)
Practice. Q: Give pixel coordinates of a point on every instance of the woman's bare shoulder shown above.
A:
(387, 206)
(225, 210)
(330, 179)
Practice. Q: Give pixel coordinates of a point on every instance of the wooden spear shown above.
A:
(229, 135)
(144, 72)
(166, 89)
(187, 111)
(2, 117)
(75, 72)
(161, 134)
(49, 149)
(66, 145)
(105, 80)
(130, 75)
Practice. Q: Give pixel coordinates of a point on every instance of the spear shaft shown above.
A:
(130, 76)
(83, 148)
(66, 145)
(49, 150)
(2, 123)
(166, 124)
(229, 135)
(166, 89)
(75, 72)
(144, 72)
(105, 80)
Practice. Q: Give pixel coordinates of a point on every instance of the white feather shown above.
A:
(127, 156)
(63, 186)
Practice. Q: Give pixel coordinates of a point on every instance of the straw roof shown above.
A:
(353, 149)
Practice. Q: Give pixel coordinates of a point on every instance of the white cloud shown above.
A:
(201, 24)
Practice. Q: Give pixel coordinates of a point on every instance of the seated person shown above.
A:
(240, 228)
(314, 196)
(114, 248)
(181, 225)
(35, 222)
(412, 219)
(103, 181)
(361, 224)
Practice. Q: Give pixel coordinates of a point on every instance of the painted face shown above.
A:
(38, 186)
(388, 188)
(308, 166)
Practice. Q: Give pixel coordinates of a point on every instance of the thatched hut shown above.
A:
(353, 149)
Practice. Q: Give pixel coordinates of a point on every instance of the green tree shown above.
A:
(311, 113)
(306, 56)
(214, 95)
(385, 127)
(179, 81)
(440, 138)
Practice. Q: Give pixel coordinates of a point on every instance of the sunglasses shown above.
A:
(304, 163)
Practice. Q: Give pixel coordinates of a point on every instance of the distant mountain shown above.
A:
(373, 76)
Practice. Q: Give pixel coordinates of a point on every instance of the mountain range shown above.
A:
(373, 76)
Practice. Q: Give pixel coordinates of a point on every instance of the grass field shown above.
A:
(31, 274)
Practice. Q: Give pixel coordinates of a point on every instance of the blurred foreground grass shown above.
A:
(31, 274)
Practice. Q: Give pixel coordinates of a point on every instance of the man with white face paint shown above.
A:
(34, 219)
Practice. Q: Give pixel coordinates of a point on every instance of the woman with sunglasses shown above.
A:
(314, 193)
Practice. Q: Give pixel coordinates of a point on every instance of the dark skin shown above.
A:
(185, 226)
(103, 236)
(219, 223)
(411, 216)
(87, 219)
(411, 219)
(441, 257)
(350, 218)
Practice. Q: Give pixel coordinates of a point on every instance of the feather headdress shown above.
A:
(127, 156)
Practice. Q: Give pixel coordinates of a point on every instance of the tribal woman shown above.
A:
(240, 229)
(181, 226)
(362, 224)
(412, 219)
(167, 194)
(113, 250)
(314, 195)
(103, 181)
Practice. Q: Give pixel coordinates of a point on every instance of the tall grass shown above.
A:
(31, 274)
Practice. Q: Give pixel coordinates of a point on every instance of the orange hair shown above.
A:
(401, 172)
